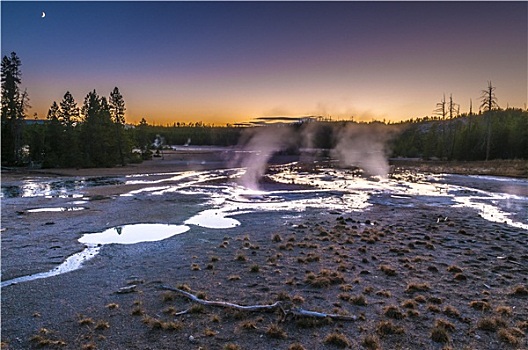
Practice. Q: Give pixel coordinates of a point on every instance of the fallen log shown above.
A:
(278, 305)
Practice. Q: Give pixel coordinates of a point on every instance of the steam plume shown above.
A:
(364, 146)
(258, 145)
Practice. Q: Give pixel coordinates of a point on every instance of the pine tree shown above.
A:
(14, 104)
(117, 113)
(70, 118)
(69, 110)
(97, 136)
(53, 138)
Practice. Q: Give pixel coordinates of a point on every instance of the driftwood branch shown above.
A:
(278, 305)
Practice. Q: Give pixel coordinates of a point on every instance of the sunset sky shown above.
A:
(226, 62)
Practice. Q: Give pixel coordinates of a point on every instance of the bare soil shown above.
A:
(422, 277)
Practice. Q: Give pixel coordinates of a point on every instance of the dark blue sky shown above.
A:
(233, 61)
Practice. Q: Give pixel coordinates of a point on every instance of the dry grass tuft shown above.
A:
(384, 293)
(507, 335)
(296, 346)
(167, 296)
(297, 299)
(439, 335)
(409, 304)
(208, 332)
(504, 310)
(275, 331)
(388, 327)
(454, 268)
(480, 305)
(388, 270)
(86, 321)
(276, 238)
(43, 339)
(440, 322)
(490, 323)
(519, 290)
(337, 339)
(451, 311)
(231, 346)
(241, 257)
(359, 300)
(248, 325)
(324, 278)
(371, 342)
(101, 325)
(417, 287)
(392, 311)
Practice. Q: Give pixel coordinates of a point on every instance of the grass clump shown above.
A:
(86, 321)
(394, 312)
(504, 310)
(491, 324)
(324, 278)
(241, 257)
(276, 238)
(101, 325)
(248, 325)
(417, 287)
(296, 346)
(274, 331)
(384, 293)
(359, 300)
(371, 342)
(451, 311)
(454, 268)
(480, 305)
(337, 339)
(439, 335)
(388, 327)
(510, 336)
(388, 270)
(519, 290)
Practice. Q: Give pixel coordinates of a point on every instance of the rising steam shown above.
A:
(258, 145)
(364, 146)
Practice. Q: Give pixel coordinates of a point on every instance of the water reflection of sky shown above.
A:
(53, 188)
(495, 199)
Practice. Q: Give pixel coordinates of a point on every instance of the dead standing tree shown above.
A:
(489, 103)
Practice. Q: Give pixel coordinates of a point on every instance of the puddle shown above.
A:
(131, 234)
(50, 210)
(213, 218)
(52, 188)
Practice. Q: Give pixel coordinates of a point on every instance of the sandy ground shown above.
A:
(412, 278)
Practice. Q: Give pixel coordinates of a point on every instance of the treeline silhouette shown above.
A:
(96, 135)
(495, 134)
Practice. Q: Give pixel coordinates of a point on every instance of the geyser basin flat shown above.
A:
(131, 234)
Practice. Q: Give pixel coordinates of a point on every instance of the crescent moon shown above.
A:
(43, 14)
